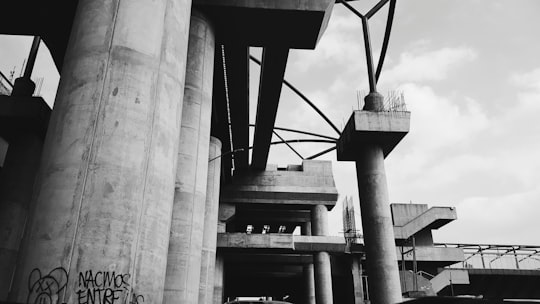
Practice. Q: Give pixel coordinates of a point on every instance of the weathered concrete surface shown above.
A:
(384, 285)
(186, 234)
(285, 23)
(208, 255)
(311, 184)
(105, 188)
(16, 183)
(386, 129)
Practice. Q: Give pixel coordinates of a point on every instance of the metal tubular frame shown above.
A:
(288, 145)
(302, 132)
(295, 90)
(374, 77)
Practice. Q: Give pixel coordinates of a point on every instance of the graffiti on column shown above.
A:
(93, 287)
(46, 289)
(103, 287)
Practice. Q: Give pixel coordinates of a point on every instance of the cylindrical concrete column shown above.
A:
(323, 278)
(305, 229)
(208, 256)
(308, 272)
(321, 260)
(184, 259)
(219, 272)
(383, 275)
(319, 220)
(103, 197)
(16, 183)
(309, 284)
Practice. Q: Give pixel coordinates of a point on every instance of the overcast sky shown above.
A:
(470, 73)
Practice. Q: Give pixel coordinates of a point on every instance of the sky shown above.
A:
(470, 74)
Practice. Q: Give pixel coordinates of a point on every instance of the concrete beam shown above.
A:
(269, 258)
(237, 64)
(311, 184)
(273, 215)
(385, 129)
(285, 23)
(274, 61)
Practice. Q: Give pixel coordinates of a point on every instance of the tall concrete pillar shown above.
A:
(186, 235)
(219, 275)
(384, 285)
(308, 271)
(369, 136)
(16, 183)
(208, 256)
(309, 284)
(321, 260)
(105, 188)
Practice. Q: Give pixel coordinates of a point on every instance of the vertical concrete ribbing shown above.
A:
(208, 256)
(321, 260)
(16, 183)
(186, 235)
(383, 276)
(106, 183)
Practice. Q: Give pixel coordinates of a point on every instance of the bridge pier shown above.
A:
(367, 139)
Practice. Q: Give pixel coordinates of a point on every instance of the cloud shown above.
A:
(420, 65)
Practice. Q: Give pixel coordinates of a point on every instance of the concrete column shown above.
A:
(384, 285)
(319, 220)
(208, 256)
(309, 281)
(185, 247)
(219, 272)
(308, 272)
(358, 284)
(16, 183)
(321, 260)
(323, 278)
(104, 193)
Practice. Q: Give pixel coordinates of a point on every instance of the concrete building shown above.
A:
(138, 186)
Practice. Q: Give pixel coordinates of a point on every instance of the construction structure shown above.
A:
(138, 186)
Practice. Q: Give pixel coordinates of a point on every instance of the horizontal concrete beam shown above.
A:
(258, 241)
(284, 23)
(274, 61)
(382, 128)
(304, 186)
